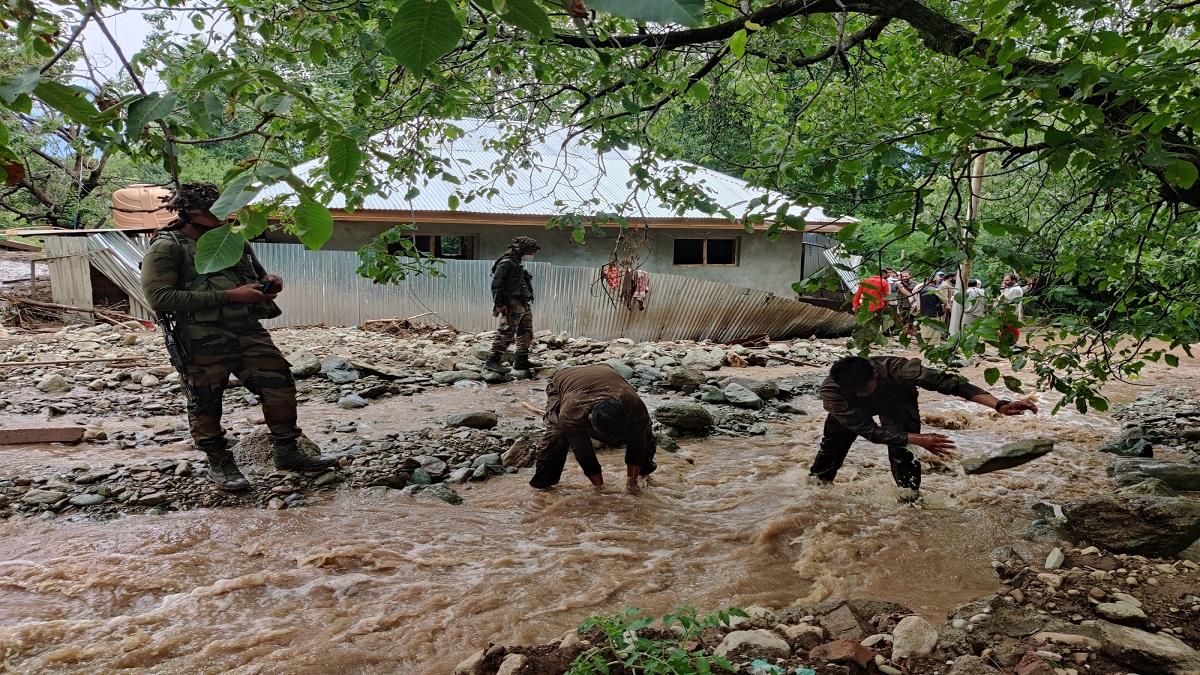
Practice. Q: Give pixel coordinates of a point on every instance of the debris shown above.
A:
(24, 436)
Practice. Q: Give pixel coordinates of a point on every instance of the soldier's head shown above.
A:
(855, 375)
(608, 416)
(524, 246)
(192, 202)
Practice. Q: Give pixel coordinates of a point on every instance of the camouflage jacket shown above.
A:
(171, 283)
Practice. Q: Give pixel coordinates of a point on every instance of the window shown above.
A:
(457, 247)
(706, 252)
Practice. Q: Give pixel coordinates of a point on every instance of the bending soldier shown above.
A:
(218, 314)
(593, 402)
(858, 389)
(512, 296)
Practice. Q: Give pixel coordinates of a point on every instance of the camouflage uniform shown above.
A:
(512, 288)
(220, 338)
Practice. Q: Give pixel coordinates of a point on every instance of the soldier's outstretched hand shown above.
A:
(1018, 408)
(938, 444)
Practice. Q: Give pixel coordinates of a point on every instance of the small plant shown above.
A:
(673, 653)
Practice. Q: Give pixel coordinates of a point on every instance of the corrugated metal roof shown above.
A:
(564, 174)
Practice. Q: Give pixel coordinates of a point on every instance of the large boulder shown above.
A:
(1149, 653)
(338, 370)
(1179, 475)
(754, 643)
(765, 389)
(1129, 444)
(54, 384)
(703, 359)
(682, 415)
(1152, 526)
(680, 377)
(482, 419)
(1152, 487)
(742, 397)
(304, 363)
(1008, 456)
(521, 454)
(913, 637)
(622, 369)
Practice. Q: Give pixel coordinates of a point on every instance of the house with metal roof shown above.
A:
(497, 196)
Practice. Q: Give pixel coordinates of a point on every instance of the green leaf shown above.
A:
(452, 202)
(236, 194)
(699, 91)
(737, 44)
(216, 109)
(684, 12)
(253, 222)
(150, 108)
(314, 223)
(991, 376)
(218, 249)
(345, 158)
(1171, 360)
(578, 236)
(422, 32)
(69, 101)
(527, 15)
(199, 114)
(1182, 173)
(21, 83)
(1056, 137)
(1013, 383)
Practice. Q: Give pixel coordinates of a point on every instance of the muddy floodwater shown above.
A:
(366, 584)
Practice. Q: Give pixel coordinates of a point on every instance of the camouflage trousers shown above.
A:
(516, 326)
(213, 354)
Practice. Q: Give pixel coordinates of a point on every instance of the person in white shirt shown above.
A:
(976, 304)
(1011, 293)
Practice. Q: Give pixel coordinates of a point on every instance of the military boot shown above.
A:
(223, 471)
(301, 456)
(493, 363)
(522, 362)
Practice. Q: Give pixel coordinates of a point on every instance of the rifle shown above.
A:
(170, 330)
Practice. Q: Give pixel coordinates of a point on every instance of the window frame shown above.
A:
(470, 246)
(737, 251)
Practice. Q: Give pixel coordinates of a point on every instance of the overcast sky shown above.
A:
(130, 29)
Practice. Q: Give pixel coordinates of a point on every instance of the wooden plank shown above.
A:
(28, 435)
(24, 364)
(19, 245)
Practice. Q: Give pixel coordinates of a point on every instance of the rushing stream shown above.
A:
(361, 583)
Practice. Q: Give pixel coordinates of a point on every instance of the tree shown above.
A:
(900, 95)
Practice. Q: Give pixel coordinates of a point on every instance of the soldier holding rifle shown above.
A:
(213, 330)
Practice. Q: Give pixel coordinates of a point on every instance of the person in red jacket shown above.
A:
(876, 288)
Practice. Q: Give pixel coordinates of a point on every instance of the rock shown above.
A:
(304, 363)
(1150, 654)
(1151, 487)
(843, 651)
(154, 499)
(711, 394)
(475, 664)
(1180, 476)
(682, 415)
(520, 454)
(1152, 526)
(680, 377)
(433, 466)
(841, 624)
(623, 370)
(459, 475)
(806, 637)
(352, 402)
(490, 459)
(1034, 664)
(450, 377)
(512, 664)
(54, 384)
(40, 497)
(1008, 456)
(701, 359)
(338, 370)
(764, 389)
(761, 617)
(754, 643)
(89, 499)
(742, 397)
(913, 637)
(972, 665)
(1069, 639)
(444, 493)
(1121, 612)
(1055, 559)
(492, 377)
(482, 419)
(1129, 444)
(420, 477)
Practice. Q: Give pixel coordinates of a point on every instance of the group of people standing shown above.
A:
(920, 306)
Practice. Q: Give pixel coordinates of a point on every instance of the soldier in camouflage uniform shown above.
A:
(218, 315)
(512, 296)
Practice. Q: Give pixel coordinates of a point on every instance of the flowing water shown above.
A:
(367, 584)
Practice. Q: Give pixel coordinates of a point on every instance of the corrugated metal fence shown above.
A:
(322, 287)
